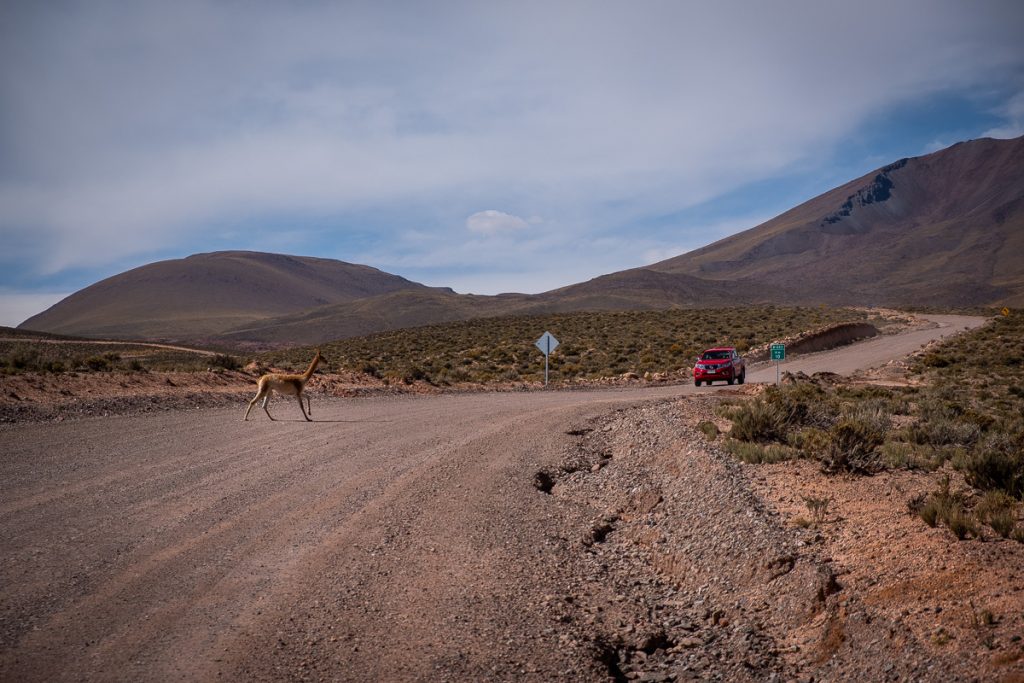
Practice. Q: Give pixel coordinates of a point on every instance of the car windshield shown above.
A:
(716, 355)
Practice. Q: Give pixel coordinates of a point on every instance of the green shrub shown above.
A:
(811, 440)
(993, 502)
(853, 443)
(226, 361)
(97, 363)
(1003, 522)
(948, 507)
(996, 464)
(943, 430)
(710, 429)
(755, 453)
(818, 507)
(758, 422)
(961, 523)
(899, 454)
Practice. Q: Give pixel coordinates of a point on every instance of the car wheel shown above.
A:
(743, 376)
(696, 382)
(730, 380)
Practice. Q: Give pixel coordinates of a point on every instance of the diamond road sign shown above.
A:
(547, 343)
(778, 352)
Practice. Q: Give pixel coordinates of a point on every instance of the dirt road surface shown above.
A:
(391, 539)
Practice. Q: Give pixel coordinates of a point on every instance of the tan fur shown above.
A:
(289, 385)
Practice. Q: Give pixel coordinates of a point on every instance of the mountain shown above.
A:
(945, 229)
(206, 294)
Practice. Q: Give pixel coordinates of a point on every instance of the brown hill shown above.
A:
(206, 294)
(942, 229)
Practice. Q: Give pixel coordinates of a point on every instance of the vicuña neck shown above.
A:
(312, 366)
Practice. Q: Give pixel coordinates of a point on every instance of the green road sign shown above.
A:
(778, 352)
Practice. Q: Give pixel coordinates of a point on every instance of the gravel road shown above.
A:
(390, 539)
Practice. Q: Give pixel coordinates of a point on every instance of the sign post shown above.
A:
(547, 343)
(778, 355)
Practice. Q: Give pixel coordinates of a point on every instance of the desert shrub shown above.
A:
(899, 454)
(996, 464)
(755, 453)
(710, 429)
(811, 440)
(1002, 522)
(26, 360)
(818, 507)
(853, 443)
(993, 502)
(948, 508)
(97, 363)
(804, 403)
(943, 431)
(54, 366)
(961, 523)
(226, 361)
(758, 422)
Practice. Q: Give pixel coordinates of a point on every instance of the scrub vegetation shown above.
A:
(966, 414)
(84, 357)
(594, 345)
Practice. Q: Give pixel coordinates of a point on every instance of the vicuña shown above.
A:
(291, 385)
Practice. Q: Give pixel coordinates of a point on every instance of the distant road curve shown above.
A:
(873, 352)
(110, 342)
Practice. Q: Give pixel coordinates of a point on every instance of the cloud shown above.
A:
(490, 222)
(197, 120)
(1013, 115)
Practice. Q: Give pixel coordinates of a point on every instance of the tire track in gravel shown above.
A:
(173, 549)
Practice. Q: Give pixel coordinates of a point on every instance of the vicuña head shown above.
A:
(291, 385)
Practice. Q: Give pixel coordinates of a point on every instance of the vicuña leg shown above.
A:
(259, 394)
(303, 408)
(265, 402)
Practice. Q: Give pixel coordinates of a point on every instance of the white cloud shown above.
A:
(1013, 113)
(191, 115)
(935, 146)
(490, 222)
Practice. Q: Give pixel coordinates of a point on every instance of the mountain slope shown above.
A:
(391, 311)
(625, 291)
(206, 294)
(942, 229)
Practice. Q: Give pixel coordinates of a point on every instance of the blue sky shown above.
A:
(490, 147)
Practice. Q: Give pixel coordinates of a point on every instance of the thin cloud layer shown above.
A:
(130, 129)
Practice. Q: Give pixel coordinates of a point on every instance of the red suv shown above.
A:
(722, 363)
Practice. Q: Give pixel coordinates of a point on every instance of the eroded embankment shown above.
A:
(820, 340)
(710, 582)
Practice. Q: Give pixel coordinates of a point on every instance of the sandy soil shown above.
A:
(583, 536)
